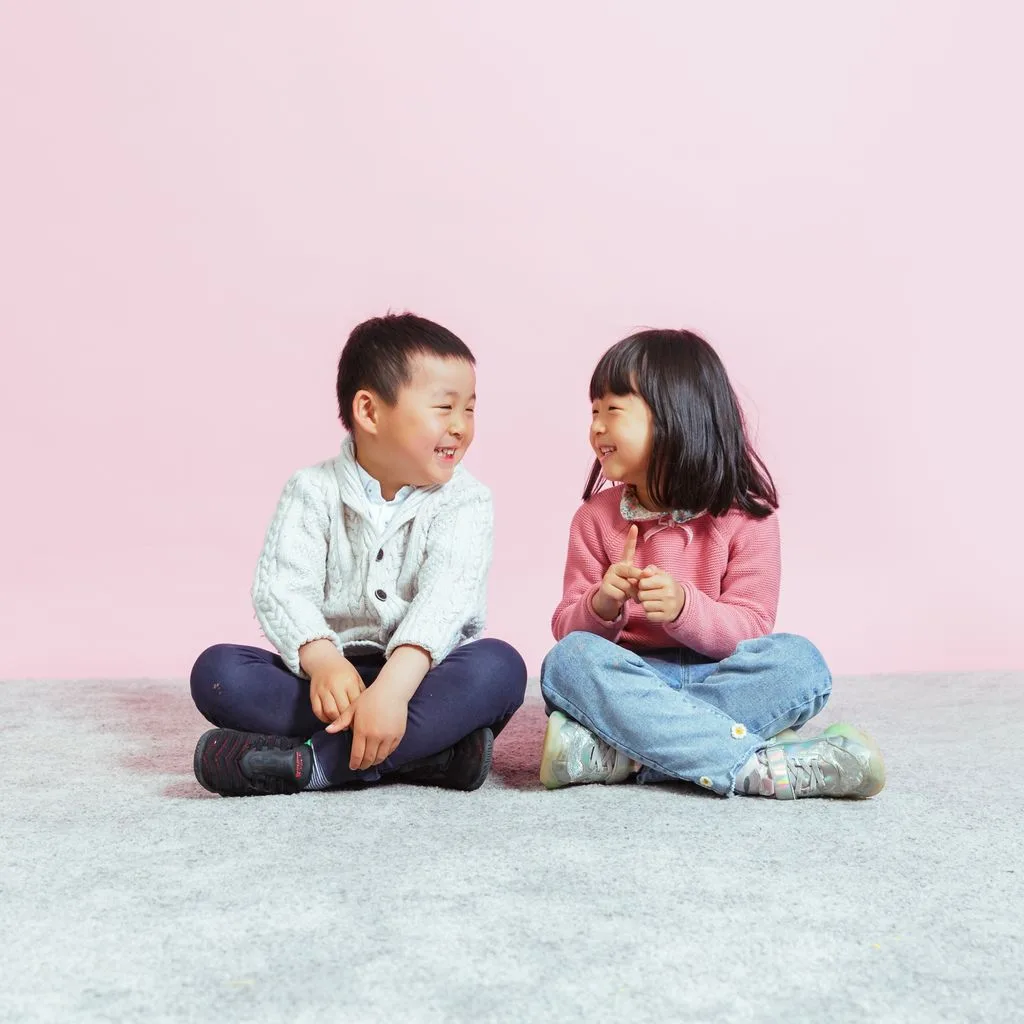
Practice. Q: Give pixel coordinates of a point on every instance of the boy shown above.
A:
(371, 583)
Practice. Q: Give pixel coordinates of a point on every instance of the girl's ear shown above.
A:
(366, 411)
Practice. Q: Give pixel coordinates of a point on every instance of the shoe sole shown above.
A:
(875, 778)
(197, 759)
(485, 766)
(547, 774)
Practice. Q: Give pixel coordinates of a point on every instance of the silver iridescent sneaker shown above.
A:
(573, 754)
(841, 762)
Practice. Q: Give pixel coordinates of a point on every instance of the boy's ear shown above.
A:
(366, 411)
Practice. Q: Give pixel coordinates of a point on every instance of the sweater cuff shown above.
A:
(290, 656)
(679, 627)
(437, 650)
(594, 622)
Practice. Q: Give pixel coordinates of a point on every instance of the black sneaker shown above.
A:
(464, 766)
(249, 764)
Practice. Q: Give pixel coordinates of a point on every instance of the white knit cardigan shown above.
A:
(326, 572)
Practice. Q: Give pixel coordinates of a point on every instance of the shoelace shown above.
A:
(602, 758)
(811, 776)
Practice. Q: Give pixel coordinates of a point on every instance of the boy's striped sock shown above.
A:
(317, 780)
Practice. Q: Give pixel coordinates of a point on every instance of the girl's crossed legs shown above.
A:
(683, 716)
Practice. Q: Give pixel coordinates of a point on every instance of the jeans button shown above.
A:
(380, 595)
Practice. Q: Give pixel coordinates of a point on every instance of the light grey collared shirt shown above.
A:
(382, 510)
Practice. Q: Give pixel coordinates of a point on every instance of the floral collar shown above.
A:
(632, 511)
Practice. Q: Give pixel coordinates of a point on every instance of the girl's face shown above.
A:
(621, 434)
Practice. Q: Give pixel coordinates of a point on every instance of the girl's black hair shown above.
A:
(701, 459)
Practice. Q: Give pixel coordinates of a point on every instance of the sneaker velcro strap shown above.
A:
(779, 770)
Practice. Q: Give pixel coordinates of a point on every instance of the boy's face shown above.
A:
(424, 435)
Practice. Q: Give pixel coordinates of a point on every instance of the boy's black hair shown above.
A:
(378, 353)
(701, 459)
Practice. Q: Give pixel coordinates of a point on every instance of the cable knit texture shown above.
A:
(326, 572)
(728, 566)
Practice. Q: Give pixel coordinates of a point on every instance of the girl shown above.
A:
(666, 665)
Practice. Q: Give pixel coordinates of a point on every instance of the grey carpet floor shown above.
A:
(129, 894)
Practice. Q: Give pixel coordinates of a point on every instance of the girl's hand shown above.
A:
(619, 583)
(659, 594)
(333, 687)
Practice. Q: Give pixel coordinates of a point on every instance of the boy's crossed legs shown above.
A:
(478, 687)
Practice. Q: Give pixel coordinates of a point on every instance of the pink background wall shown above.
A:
(198, 200)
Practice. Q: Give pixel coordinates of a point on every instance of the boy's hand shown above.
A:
(333, 680)
(620, 581)
(333, 687)
(378, 719)
(659, 594)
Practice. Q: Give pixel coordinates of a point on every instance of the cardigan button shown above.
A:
(380, 554)
(380, 595)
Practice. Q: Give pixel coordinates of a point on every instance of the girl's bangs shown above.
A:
(617, 372)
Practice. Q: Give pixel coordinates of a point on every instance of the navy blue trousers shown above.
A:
(248, 688)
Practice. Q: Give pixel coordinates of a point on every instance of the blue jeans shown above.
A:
(680, 714)
(250, 689)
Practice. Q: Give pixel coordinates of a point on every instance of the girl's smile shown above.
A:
(621, 436)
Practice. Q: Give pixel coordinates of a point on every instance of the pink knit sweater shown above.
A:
(728, 566)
